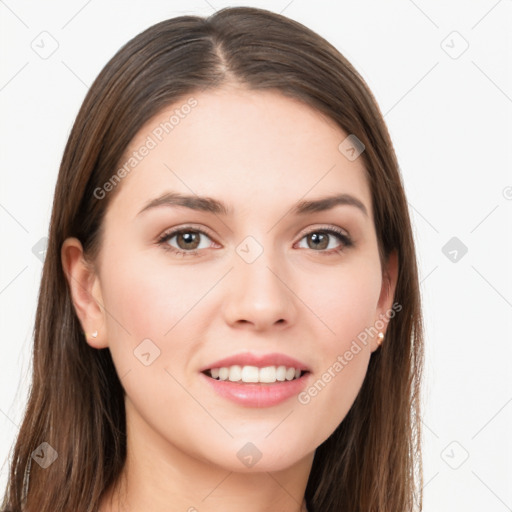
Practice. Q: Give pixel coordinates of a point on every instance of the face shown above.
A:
(255, 276)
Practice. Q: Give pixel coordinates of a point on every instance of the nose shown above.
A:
(259, 295)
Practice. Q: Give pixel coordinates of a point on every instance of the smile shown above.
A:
(256, 380)
(253, 374)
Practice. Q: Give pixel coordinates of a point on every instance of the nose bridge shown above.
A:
(257, 292)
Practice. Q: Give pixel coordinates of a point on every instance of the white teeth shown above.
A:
(268, 374)
(250, 374)
(235, 373)
(290, 374)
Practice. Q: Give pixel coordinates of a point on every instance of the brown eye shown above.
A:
(188, 240)
(318, 240)
(324, 241)
(185, 241)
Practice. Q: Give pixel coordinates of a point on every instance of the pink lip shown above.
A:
(257, 394)
(261, 361)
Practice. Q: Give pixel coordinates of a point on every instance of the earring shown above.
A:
(381, 338)
(93, 334)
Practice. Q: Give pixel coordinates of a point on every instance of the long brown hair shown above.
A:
(372, 461)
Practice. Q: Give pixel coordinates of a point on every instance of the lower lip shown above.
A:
(257, 394)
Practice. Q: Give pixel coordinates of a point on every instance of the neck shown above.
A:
(160, 477)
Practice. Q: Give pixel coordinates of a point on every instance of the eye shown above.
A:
(320, 239)
(188, 240)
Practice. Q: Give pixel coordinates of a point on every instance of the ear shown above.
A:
(85, 292)
(385, 309)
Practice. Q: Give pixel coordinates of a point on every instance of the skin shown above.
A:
(259, 152)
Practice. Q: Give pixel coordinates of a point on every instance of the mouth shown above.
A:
(254, 374)
(249, 379)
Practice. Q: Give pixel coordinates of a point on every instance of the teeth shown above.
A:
(290, 374)
(235, 373)
(250, 374)
(268, 374)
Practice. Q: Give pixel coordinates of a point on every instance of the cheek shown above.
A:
(345, 301)
(150, 300)
(150, 312)
(347, 309)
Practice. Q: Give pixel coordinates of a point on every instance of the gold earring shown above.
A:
(381, 338)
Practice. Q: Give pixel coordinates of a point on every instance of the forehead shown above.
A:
(248, 148)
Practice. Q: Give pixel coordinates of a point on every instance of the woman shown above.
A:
(229, 315)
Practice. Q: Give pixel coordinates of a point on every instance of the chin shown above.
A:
(260, 456)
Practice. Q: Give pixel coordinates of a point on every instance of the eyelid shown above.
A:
(192, 227)
(322, 227)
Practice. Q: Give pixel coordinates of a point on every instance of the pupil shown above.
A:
(188, 239)
(316, 238)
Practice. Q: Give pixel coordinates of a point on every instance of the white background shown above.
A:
(451, 123)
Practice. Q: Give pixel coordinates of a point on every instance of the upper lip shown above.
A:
(259, 360)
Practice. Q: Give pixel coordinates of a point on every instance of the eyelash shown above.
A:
(340, 235)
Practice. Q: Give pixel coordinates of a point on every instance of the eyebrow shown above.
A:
(210, 205)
